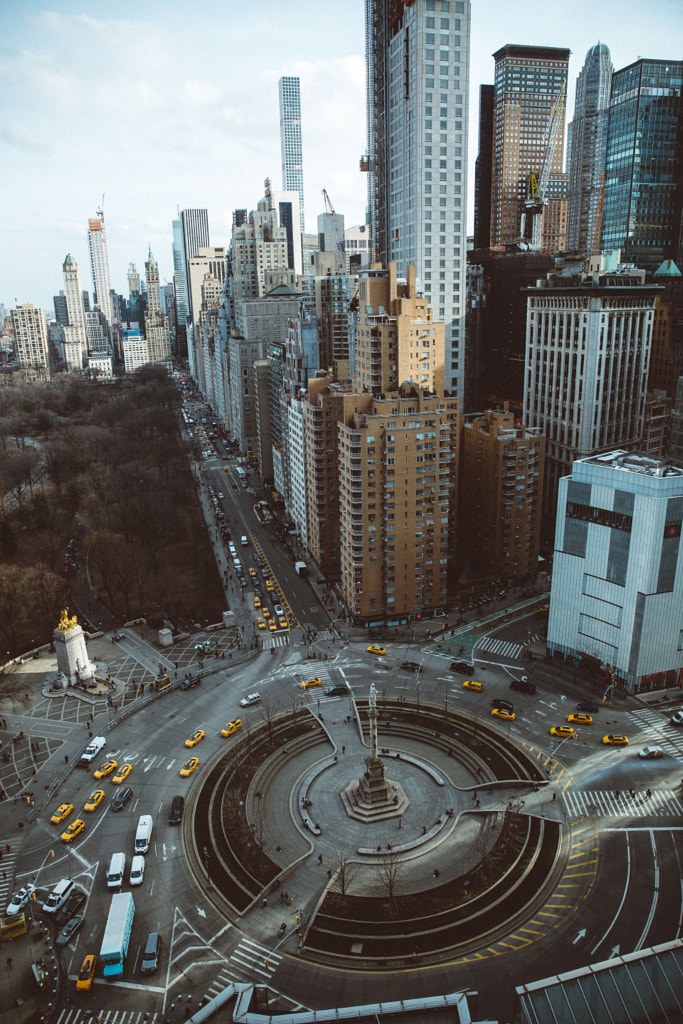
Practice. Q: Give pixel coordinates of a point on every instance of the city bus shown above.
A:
(117, 934)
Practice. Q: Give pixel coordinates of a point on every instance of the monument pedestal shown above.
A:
(373, 797)
(72, 655)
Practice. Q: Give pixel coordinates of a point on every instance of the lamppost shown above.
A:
(206, 866)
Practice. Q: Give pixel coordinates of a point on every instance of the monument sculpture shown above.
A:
(374, 797)
(73, 663)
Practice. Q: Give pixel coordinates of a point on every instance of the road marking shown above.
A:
(655, 897)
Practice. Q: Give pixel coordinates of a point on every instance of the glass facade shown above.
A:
(642, 180)
(290, 141)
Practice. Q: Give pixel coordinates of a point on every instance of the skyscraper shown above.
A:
(75, 332)
(99, 263)
(195, 225)
(290, 141)
(29, 331)
(528, 80)
(643, 181)
(587, 142)
(179, 274)
(417, 54)
(482, 169)
(156, 322)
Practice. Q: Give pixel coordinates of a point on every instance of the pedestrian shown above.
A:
(478, 802)
(616, 794)
(9, 962)
(343, 749)
(8, 848)
(66, 759)
(436, 872)
(554, 796)
(648, 794)
(474, 795)
(400, 822)
(320, 858)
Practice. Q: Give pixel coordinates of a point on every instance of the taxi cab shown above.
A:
(105, 769)
(62, 812)
(122, 774)
(87, 972)
(257, 602)
(282, 622)
(231, 727)
(73, 830)
(374, 649)
(509, 716)
(189, 767)
(195, 738)
(94, 800)
(308, 683)
(272, 625)
(580, 719)
(472, 684)
(260, 623)
(615, 741)
(562, 730)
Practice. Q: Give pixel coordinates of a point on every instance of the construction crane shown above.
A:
(339, 247)
(100, 212)
(531, 227)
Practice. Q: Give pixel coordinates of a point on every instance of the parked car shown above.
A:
(410, 666)
(522, 686)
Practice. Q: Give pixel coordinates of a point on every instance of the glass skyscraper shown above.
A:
(643, 186)
(290, 140)
(417, 54)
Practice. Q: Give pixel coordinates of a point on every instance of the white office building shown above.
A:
(99, 263)
(617, 591)
(290, 142)
(135, 351)
(418, 57)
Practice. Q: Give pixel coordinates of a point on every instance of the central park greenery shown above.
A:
(96, 492)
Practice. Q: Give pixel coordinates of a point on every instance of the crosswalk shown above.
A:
(504, 648)
(74, 1015)
(252, 962)
(610, 803)
(9, 858)
(660, 732)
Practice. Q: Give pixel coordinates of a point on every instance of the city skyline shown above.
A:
(123, 106)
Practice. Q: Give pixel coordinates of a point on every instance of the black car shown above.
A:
(121, 798)
(72, 905)
(189, 684)
(504, 705)
(410, 666)
(461, 666)
(69, 929)
(176, 811)
(522, 686)
(150, 957)
(339, 690)
(587, 706)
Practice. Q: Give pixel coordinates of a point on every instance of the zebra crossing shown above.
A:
(671, 742)
(75, 1015)
(9, 857)
(612, 803)
(251, 962)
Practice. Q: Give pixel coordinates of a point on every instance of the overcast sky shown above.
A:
(158, 105)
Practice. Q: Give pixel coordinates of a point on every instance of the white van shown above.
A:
(59, 895)
(137, 870)
(143, 834)
(244, 540)
(116, 871)
(92, 750)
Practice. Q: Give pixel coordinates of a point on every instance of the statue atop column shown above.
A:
(372, 796)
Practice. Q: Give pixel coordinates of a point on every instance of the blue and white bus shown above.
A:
(241, 474)
(117, 934)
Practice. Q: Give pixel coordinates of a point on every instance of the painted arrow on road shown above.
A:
(581, 935)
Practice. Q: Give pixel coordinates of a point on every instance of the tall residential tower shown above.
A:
(99, 263)
(290, 141)
(417, 54)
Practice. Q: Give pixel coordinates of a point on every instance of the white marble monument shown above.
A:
(73, 664)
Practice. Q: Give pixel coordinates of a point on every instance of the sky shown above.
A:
(158, 105)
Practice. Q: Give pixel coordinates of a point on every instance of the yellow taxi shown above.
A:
(105, 769)
(73, 830)
(270, 585)
(189, 767)
(374, 649)
(122, 774)
(282, 622)
(266, 613)
(257, 602)
(615, 741)
(94, 800)
(509, 716)
(252, 572)
(62, 812)
(87, 972)
(308, 683)
(261, 623)
(580, 719)
(472, 684)
(272, 625)
(562, 730)
(231, 727)
(195, 738)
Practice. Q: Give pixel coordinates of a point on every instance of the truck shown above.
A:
(117, 934)
(91, 751)
(301, 568)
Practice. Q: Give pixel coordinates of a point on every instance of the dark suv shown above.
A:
(338, 690)
(150, 957)
(462, 667)
(72, 905)
(522, 686)
(121, 798)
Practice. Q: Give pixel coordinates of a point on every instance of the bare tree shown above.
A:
(389, 869)
(345, 870)
(269, 708)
